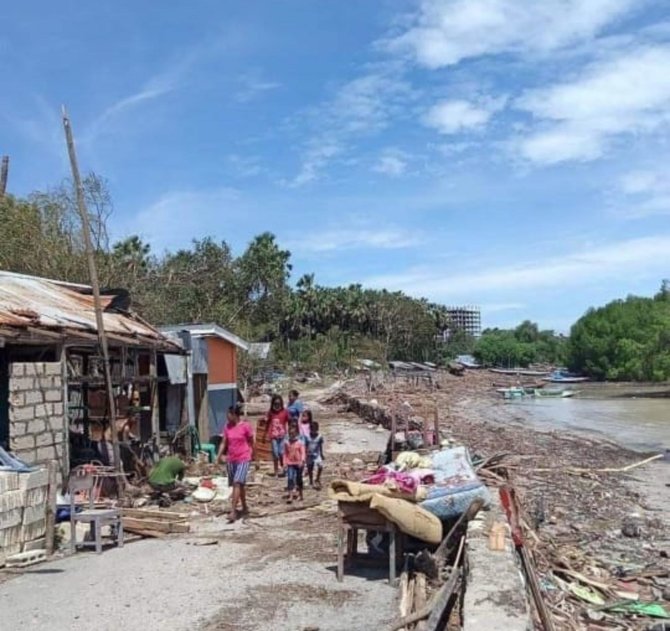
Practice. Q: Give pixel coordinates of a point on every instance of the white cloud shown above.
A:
(628, 93)
(165, 222)
(456, 116)
(444, 32)
(363, 106)
(363, 236)
(320, 152)
(647, 255)
(392, 162)
(253, 84)
(645, 193)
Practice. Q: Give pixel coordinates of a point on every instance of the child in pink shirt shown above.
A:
(294, 460)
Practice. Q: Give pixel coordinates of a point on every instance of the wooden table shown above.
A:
(355, 516)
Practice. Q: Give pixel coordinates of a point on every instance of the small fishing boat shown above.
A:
(515, 392)
(525, 372)
(555, 394)
(559, 376)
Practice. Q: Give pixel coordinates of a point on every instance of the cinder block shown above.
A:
(26, 441)
(21, 384)
(45, 439)
(34, 497)
(41, 410)
(32, 514)
(52, 368)
(9, 481)
(10, 537)
(17, 399)
(34, 530)
(44, 454)
(11, 500)
(31, 368)
(36, 426)
(37, 544)
(11, 518)
(33, 479)
(53, 396)
(9, 550)
(16, 369)
(23, 413)
(24, 559)
(27, 455)
(33, 396)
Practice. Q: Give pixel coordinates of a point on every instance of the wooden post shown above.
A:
(155, 419)
(436, 426)
(51, 506)
(95, 285)
(4, 172)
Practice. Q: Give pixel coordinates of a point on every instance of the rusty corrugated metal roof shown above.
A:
(40, 303)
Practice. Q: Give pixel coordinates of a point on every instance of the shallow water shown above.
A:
(641, 424)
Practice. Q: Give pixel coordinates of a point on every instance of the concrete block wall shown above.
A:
(37, 428)
(23, 501)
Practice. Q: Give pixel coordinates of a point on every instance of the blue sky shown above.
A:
(507, 153)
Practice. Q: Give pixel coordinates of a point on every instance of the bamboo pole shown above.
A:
(95, 284)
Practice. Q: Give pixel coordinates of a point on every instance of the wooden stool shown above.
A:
(355, 516)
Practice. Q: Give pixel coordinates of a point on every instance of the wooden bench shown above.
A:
(355, 516)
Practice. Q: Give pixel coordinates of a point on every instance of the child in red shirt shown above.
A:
(294, 459)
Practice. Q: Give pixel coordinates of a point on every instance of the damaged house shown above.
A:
(52, 391)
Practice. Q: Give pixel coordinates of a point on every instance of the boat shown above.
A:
(519, 371)
(555, 394)
(558, 376)
(515, 392)
(468, 361)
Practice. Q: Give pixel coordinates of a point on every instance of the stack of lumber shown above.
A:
(153, 523)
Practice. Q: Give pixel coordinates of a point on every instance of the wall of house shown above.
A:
(37, 430)
(221, 382)
(222, 362)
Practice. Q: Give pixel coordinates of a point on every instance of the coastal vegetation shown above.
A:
(312, 326)
(626, 340)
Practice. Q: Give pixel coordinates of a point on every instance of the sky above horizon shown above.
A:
(511, 154)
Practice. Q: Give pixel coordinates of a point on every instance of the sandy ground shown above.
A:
(275, 573)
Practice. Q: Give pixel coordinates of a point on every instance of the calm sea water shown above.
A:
(642, 424)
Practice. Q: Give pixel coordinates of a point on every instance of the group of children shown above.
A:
(296, 444)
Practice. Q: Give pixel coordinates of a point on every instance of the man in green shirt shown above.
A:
(166, 472)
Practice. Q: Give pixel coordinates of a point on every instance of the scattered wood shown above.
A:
(150, 522)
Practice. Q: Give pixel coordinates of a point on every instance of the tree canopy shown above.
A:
(624, 340)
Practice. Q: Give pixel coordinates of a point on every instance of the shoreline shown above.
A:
(576, 498)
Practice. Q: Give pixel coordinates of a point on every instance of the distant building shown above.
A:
(467, 318)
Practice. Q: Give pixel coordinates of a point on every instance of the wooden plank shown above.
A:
(131, 524)
(142, 513)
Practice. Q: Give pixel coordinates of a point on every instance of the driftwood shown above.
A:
(439, 598)
(419, 597)
(581, 470)
(441, 552)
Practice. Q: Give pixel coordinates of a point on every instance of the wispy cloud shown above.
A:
(628, 93)
(169, 79)
(647, 255)
(445, 32)
(644, 193)
(174, 214)
(392, 162)
(457, 115)
(363, 106)
(362, 236)
(253, 84)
